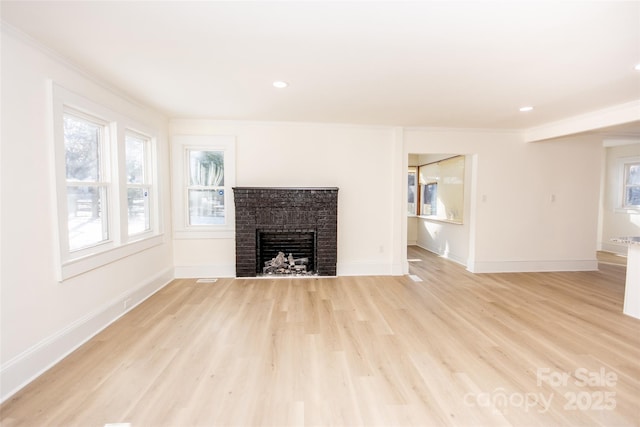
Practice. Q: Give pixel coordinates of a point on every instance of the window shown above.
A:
(412, 194)
(105, 173)
(441, 189)
(429, 199)
(631, 190)
(203, 179)
(206, 187)
(87, 180)
(137, 149)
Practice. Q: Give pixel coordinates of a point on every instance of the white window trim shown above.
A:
(621, 185)
(119, 245)
(416, 188)
(151, 181)
(181, 145)
(106, 181)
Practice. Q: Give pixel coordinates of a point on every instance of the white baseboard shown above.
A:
(532, 266)
(33, 362)
(399, 269)
(199, 271)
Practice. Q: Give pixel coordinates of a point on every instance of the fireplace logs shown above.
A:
(286, 265)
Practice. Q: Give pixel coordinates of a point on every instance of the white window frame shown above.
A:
(413, 170)
(182, 145)
(149, 183)
(104, 182)
(622, 165)
(625, 186)
(119, 244)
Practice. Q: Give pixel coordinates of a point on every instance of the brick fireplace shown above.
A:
(299, 220)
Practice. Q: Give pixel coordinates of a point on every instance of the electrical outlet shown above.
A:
(127, 303)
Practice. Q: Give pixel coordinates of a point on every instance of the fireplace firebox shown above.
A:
(299, 245)
(298, 223)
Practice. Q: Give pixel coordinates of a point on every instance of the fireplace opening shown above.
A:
(286, 252)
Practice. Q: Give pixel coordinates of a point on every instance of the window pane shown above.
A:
(430, 199)
(633, 174)
(138, 210)
(632, 196)
(411, 206)
(86, 220)
(206, 207)
(82, 147)
(206, 168)
(135, 154)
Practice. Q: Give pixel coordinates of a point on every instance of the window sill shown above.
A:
(444, 220)
(627, 210)
(90, 262)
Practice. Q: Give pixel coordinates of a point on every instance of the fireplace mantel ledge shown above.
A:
(285, 188)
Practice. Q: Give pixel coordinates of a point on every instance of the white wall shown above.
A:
(516, 226)
(412, 230)
(41, 319)
(615, 222)
(359, 160)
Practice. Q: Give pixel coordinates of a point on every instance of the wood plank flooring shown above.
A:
(611, 258)
(455, 349)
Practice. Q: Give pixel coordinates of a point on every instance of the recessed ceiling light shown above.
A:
(525, 109)
(280, 84)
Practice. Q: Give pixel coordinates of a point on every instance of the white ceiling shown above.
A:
(423, 63)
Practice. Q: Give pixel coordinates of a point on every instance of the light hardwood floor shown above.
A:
(612, 258)
(453, 349)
